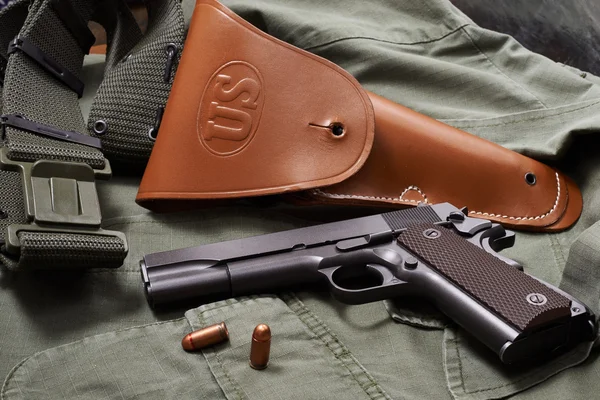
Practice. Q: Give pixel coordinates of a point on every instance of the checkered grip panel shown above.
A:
(516, 297)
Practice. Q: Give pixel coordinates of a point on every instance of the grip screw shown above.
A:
(537, 299)
(575, 309)
(432, 233)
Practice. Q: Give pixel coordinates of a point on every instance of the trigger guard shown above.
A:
(359, 296)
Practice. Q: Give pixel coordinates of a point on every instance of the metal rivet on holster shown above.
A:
(530, 178)
(100, 127)
(337, 129)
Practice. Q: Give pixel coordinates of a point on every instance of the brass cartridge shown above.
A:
(261, 347)
(205, 337)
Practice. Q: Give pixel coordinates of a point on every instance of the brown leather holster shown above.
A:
(250, 115)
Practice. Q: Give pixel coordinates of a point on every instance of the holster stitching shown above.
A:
(319, 192)
(527, 218)
(415, 188)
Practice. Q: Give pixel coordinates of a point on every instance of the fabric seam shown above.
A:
(305, 315)
(462, 379)
(22, 362)
(520, 120)
(223, 370)
(293, 304)
(310, 48)
(534, 374)
(498, 69)
(10, 375)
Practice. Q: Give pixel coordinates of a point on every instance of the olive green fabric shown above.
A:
(304, 352)
(426, 55)
(134, 88)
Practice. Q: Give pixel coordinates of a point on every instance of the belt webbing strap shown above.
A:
(12, 17)
(49, 211)
(31, 91)
(137, 84)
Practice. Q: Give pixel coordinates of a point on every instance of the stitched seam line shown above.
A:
(10, 376)
(22, 362)
(499, 70)
(337, 348)
(462, 375)
(384, 40)
(223, 371)
(227, 376)
(535, 116)
(460, 365)
(527, 218)
(401, 200)
(408, 189)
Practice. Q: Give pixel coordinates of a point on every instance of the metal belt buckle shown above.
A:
(60, 197)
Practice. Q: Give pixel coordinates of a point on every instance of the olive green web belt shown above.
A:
(49, 160)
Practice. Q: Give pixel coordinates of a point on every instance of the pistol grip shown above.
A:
(515, 297)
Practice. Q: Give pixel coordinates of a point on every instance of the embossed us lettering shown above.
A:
(231, 107)
(233, 123)
(229, 131)
(245, 86)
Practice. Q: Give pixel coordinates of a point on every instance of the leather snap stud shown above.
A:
(100, 127)
(337, 129)
(530, 178)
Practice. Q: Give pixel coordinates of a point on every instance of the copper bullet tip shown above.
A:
(205, 337)
(262, 333)
(261, 347)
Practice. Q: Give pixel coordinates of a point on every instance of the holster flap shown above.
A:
(251, 115)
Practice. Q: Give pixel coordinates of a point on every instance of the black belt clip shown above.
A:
(47, 63)
(20, 122)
